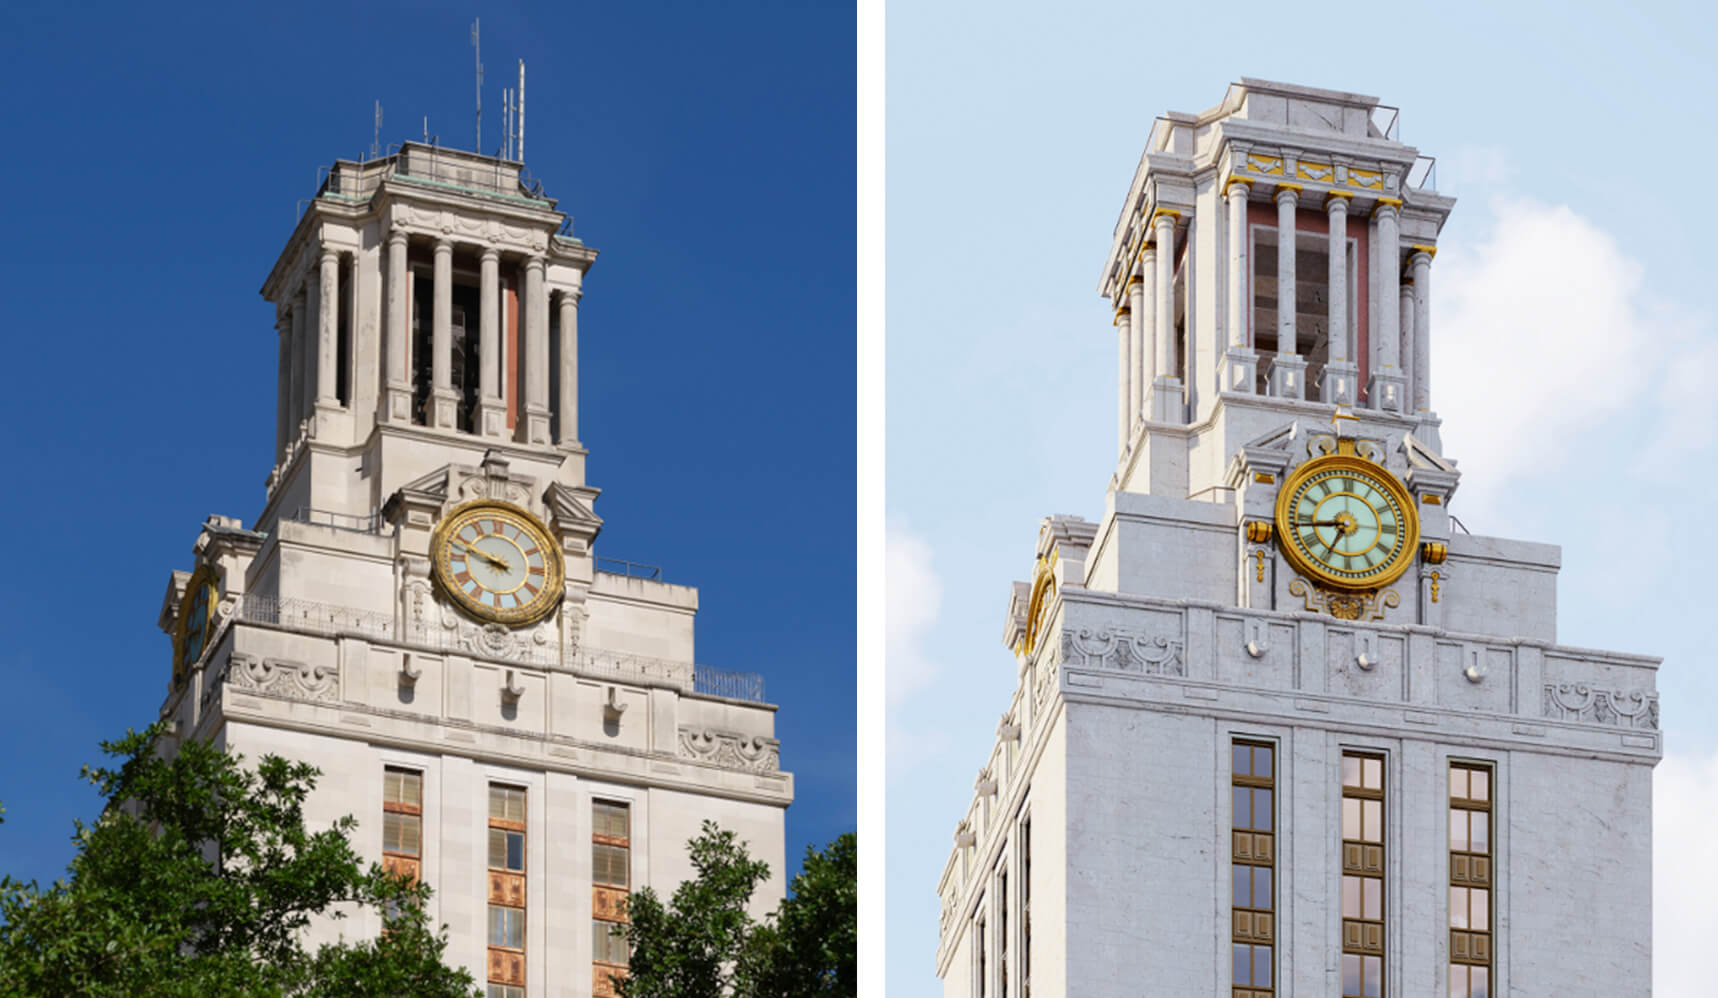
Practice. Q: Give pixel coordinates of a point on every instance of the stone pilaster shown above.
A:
(537, 354)
(491, 407)
(568, 435)
(283, 382)
(1340, 380)
(327, 328)
(1168, 403)
(1385, 388)
(397, 406)
(1421, 266)
(1123, 320)
(1240, 362)
(444, 400)
(1136, 307)
(1288, 368)
(300, 381)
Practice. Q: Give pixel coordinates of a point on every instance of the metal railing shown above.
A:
(369, 523)
(317, 618)
(1387, 121)
(630, 569)
(1423, 175)
(733, 685)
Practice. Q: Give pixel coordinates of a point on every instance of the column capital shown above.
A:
(1387, 207)
(443, 245)
(490, 254)
(1337, 201)
(1417, 250)
(1164, 216)
(1122, 315)
(1134, 283)
(398, 237)
(328, 255)
(535, 261)
(1237, 185)
(1286, 190)
(570, 295)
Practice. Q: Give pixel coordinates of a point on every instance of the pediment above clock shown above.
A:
(170, 601)
(1429, 471)
(454, 484)
(1269, 453)
(573, 510)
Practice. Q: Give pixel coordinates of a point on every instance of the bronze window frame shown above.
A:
(604, 909)
(1253, 848)
(507, 886)
(1365, 859)
(1471, 869)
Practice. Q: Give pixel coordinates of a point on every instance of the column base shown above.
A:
(492, 418)
(1385, 391)
(1168, 401)
(1288, 376)
(444, 409)
(1338, 384)
(1240, 371)
(397, 404)
(537, 426)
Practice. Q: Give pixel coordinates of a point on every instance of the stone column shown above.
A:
(1136, 306)
(569, 428)
(1340, 375)
(1421, 263)
(537, 354)
(1124, 371)
(491, 408)
(327, 328)
(283, 390)
(1146, 358)
(1240, 360)
(1405, 317)
(398, 405)
(1168, 404)
(1288, 368)
(444, 401)
(1385, 391)
(300, 382)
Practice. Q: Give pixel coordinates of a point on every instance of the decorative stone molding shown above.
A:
(1616, 708)
(731, 750)
(286, 678)
(496, 641)
(1368, 605)
(1123, 651)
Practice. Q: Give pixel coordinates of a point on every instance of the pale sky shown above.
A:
(1573, 342)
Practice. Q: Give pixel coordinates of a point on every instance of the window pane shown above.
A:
(497, 849)
(515, 851)
(1481, 909)
(1350, 771)
(506, 927)
(1240, 761)
(1261, 966)
(1262, 809)
(609, 865)
(1262, 887)
(609, 819)
(1262, 762)
(1373, 969)
(1243, 969)
(1458, 907)
(1373, 774)
(1350, 818)
(608, 942)
(1240, 882)
(1478, 832)
(506, 803)
(1239, 798)
(1373, 889)
(1481, 785)
(1458, 781)
(1458, 830)
(1372, 821)
(1458, 981)
(1350, 897)
(401, 832)
(1350, 974)
(1481, 982)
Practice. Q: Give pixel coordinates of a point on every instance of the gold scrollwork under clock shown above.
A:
(1346, 605)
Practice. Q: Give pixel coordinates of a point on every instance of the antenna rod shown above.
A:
(506, 123)
(477, 43)
(376, 137)
(521, 110)
(426, 129)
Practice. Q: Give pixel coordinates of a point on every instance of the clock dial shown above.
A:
(497, 563)
(1347, 523)
(196, 619)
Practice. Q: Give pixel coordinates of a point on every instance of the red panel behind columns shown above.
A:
(1313, 221)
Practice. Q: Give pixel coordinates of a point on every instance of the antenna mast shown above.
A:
(521, 156)
(477, 44)
(376, 137)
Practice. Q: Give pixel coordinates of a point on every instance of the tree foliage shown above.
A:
(703, 943)
(199, 879)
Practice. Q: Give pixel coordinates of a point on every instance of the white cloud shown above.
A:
(914, 596)
(1684, 874)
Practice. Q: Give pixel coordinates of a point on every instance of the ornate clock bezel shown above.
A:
(554, 574)
(205, 577)
(1381, 478)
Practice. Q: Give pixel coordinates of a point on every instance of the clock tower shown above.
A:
(419, 609)
(1283, 726)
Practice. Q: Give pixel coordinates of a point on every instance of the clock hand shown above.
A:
(485, 555)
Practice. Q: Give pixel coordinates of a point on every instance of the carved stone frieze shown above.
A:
(1617, 708)
(1157, 655)
(731, 750)
(284, 677)
(491, 640)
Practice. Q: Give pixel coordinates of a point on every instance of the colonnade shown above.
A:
(308, 358)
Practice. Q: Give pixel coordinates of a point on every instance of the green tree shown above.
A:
(199, 879)
(703, 943)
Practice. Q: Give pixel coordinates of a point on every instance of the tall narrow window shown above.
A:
(1470, 880)
(611, 879)
(1026, 909)
(1252, 875)
(402, 821)
(506, 891)
(1362, 875)
(983, 972)
(1002, 933)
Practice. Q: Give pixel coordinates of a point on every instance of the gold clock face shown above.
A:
(196, 620)
(497, 563)
(1347, 523)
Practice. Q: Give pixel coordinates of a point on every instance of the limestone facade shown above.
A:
(1104, 849)
(323, 634)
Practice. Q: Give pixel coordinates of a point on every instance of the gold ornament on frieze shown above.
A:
(1259, 531)
(1369, 605)
(1434, 552)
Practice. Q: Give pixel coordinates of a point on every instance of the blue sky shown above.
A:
(155, 159)
(1573, 340)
